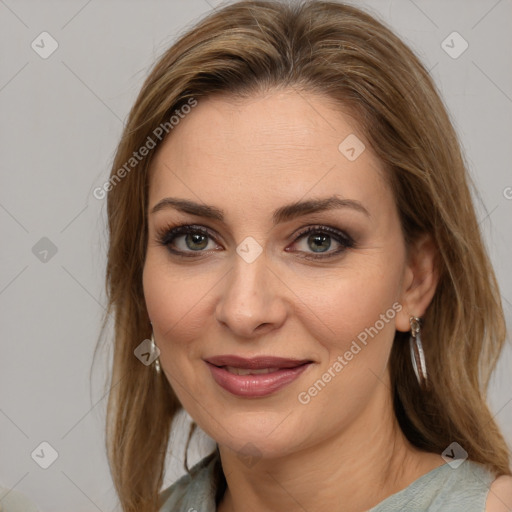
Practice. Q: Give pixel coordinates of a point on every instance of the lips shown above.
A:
(255, 377)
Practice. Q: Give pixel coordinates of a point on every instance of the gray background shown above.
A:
(61, 120)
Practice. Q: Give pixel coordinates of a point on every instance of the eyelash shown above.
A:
(167, 235)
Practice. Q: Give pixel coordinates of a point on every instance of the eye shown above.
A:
(194, 239)
(318, 239)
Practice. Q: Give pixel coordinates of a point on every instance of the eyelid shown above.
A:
(322, 228)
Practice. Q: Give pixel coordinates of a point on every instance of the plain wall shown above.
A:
(61, 118)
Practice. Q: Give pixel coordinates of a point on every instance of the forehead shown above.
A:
(282, 144)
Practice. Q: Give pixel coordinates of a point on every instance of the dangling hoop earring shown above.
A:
(154, 349)
(417, 354)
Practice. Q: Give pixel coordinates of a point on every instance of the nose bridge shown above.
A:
(251, 297)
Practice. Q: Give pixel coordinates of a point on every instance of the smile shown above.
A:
(256, 382)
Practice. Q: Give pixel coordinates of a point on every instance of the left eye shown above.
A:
(319, 241)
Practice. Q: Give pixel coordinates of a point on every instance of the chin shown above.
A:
(252, 442)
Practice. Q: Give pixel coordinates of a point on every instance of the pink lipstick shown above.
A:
(255, 377)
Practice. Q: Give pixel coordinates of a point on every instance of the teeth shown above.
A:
(247, 371)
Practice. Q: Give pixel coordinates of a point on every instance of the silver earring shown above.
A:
(155, 350)
(417, 354)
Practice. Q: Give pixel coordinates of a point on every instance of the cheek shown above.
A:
(340, 307)
(335, 309)
(177, 304)
(172, 294)
(360, 311)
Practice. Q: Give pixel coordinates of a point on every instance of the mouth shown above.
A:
(255, 363)
(255, 377)
(247, 371)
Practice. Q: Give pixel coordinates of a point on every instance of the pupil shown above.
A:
(195, 238)
(321, 239)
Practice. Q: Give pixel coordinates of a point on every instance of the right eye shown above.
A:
(185, 240)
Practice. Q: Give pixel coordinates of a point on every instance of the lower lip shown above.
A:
(255, 385)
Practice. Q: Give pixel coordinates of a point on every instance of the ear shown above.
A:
(419, 281)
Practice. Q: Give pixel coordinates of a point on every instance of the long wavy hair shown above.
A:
(350, 57)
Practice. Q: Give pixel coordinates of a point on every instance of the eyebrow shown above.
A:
(282, 214)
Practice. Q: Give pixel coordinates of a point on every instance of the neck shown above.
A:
(353, 470)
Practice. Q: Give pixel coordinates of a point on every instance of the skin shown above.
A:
(249, 157)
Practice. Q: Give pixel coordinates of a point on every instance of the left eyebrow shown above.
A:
(282, 214)
(300, 208)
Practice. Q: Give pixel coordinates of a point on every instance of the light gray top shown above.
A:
(463, 489)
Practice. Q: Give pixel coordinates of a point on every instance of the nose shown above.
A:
(251, 301)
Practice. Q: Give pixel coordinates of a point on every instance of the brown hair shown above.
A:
(350, 57)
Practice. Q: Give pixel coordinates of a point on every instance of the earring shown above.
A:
(155, 350)
(417, 354)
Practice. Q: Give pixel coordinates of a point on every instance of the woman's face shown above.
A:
(252, 284)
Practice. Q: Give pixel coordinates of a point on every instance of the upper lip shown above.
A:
(256, 363)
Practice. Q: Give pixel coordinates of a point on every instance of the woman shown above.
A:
(291, 226)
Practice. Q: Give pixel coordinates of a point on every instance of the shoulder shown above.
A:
(499, 498)
(463, 487)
